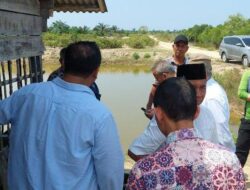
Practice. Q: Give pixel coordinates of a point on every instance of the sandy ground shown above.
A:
(192, 50)
(51, 55)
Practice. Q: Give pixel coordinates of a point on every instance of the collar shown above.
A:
(184, 62)
(72, 86)
(210, 81)
(187, 133)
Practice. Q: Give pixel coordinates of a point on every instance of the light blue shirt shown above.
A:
(62, 137)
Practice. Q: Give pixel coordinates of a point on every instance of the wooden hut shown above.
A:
(21, 48)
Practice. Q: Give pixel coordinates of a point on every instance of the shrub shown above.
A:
(109, 43)
(136, 56)
(230, 81)
(147, 55)
(62, 40)
(139, 41)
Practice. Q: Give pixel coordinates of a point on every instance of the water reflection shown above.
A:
(125, 94)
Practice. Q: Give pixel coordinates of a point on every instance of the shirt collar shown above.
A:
(173, 61)
(181, 134)
(210, 81)
(72, 86)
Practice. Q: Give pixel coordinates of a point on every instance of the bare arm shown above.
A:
(135, 157)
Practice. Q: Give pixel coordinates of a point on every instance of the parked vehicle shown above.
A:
(235, 48)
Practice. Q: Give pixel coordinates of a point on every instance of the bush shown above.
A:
(62, 40)
(109, 43)
(136, 56)
(230, 81)
(57, 40)
(147, 55)
(139, 41)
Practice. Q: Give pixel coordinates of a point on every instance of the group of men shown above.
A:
(212, 123)
(63, 137)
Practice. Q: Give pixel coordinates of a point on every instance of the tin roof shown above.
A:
(80, 6)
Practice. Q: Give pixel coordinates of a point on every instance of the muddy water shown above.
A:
(125, 94)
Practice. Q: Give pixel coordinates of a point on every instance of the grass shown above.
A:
(230, 81)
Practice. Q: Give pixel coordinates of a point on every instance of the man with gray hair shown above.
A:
(162, 70)
(151, 138)
(216, 101)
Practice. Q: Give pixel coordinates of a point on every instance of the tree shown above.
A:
(59, 27)
(101, 29)
(235, 23)
(143, 29)
(194, 32)
(114, 29)
(85, 29)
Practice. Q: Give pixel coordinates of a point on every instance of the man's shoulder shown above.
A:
(215, 93)
(214, 88)
(204, 111)
(176, 154)
(205, 119)
(31, 87)
(221, 154)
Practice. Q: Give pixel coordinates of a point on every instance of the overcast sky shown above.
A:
(158, 14)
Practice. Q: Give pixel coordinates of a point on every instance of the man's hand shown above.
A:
(149, 113)
(135, 157)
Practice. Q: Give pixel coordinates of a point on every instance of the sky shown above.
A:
(158, 14)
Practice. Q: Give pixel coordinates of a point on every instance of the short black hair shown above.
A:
(177, 98)
(62, 54)
(82, 58)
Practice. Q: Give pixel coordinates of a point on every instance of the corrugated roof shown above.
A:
(80, 5)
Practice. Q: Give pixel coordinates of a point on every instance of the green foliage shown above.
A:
(203, 35)
(206, 35)
(59, 27)
(147, 55)
(140, 41)
(101, 29)
(143, 30)
(230, 81)
(194, 32)
(165, 36)
(57, 40)
(109, 43)
(62, 40)
(136, 56)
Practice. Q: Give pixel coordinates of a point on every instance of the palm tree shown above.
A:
(101, 29)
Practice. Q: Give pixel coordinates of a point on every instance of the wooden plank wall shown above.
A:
(20, 29)
(21, 6)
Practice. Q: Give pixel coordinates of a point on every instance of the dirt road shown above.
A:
(193, 50)
(218, 65)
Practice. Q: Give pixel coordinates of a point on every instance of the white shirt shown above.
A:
(216, 101)
(150, 140)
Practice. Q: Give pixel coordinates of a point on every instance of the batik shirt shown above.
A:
(187, 162)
